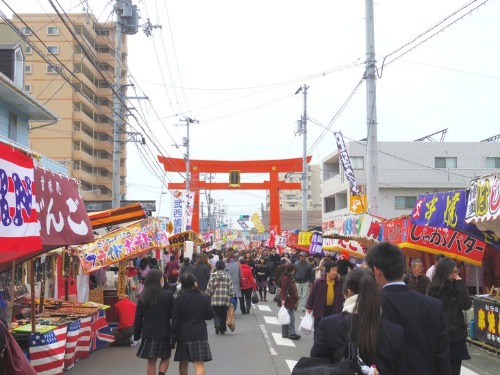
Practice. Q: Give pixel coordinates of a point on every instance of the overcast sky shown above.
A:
(234, 66)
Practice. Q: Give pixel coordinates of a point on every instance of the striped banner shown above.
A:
(47, 351)
(71, 342)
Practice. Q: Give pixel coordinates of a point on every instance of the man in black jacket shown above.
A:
(420, 316)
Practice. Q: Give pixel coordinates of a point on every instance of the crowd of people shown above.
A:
(409, 323)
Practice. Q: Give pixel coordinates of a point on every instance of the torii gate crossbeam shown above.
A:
(274, 185)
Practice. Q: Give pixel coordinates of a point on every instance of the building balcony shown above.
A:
(102, 127)
(83, 137)
(107, 57)
(81, 77)
(82, 116)
(83, 156)
(103, 163)
(104, 180)
(103, 145)
(82, 175)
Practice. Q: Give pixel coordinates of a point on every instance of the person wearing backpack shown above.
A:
(247, 286)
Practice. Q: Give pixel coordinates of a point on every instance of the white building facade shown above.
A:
(405, 170)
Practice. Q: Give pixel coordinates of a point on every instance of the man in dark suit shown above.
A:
(420, 316)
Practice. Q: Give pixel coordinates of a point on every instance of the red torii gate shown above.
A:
(274, 185)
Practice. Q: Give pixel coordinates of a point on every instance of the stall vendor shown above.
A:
(125, 310)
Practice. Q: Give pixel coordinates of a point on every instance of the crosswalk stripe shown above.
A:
(291, 364)
(282, 341)
(271, 320)
(263, 307)
(466, 371)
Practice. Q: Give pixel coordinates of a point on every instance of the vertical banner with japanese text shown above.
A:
(346, 163)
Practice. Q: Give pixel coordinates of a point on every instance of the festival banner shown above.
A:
(363, 228)
(61, 211)
(19, 228)
(454, 244)
(448, 210)
(344, 246)
(346, 163)
(483, 205)
(304, 238)
(124, 243)
(316, 243)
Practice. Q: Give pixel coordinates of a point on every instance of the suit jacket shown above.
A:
(331, 334)
(191, 309)
(154, 321)
(424, 327)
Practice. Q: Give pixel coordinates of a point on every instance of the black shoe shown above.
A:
(284, 336)
(244, 312)
(294, 337)
(248, 310)
(222, 332)
(217, 330)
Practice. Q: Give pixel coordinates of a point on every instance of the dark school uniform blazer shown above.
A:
(154, 321)
(422, 319)
(331, 334)
(191, 309)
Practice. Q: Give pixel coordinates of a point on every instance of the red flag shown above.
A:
(47, 351)
(19, 228)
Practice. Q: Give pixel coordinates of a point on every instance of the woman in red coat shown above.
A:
(289, 299)
(247, 286)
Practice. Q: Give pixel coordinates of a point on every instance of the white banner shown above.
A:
(346, 163)
(181, 210)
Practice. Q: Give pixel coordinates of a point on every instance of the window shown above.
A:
(357, 162)
(52, 30)
(53, 49)
(405, 202)
(29, 51)
(27, 88)
(51, 69)
(12, 127)
(445, 162)
(492, 162)
(27, 69)
(26, 30)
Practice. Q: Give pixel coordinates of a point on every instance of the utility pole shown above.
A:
(302, 129)
(371, 113)
(117, 123)
(185, 143)
(126, 22)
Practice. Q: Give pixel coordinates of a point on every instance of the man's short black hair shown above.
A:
(388, 258)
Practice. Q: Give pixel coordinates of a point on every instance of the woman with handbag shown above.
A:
(261, 276)
(288, 298)
(380, 342)
(448, 287)
(220, 289)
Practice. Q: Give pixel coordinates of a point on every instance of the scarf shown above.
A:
(349, 304)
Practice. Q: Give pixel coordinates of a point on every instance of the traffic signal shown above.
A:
(245, 217)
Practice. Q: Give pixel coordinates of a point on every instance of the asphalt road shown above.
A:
(256, 347)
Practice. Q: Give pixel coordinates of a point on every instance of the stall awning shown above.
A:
(117, 216)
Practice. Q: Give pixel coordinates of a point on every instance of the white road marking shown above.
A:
(271, 320)
(272, 351)
(291, 364)
(466, 371)
(263, 307)
(281, 341)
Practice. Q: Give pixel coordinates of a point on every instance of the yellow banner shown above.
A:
(304, 238)
(122, 277)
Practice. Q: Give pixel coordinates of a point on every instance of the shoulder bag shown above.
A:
(345, 361)
(13, 359)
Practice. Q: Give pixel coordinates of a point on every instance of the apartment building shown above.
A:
(405, 170)
(82, 50)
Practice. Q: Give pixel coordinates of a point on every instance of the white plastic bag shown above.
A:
(307, 324)
(283, 316)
